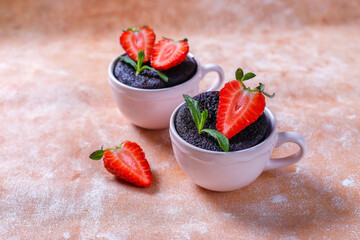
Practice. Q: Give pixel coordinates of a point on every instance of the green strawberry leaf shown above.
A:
(248, 76)
(268, 95)
(97, 155)
(261, 89)
(222, 140)
(239, 74)
(131, 29)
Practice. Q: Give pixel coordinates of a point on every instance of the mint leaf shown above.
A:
(141, 56)
(200, 118)
(248, 76)
(161, 75)
(239, 74)
(138, 66)
(203, 117)
(222, 140)
(129, 61)
(97, 155)
(193, 106)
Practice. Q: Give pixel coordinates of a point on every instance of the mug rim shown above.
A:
(269, 114)
(134, 89)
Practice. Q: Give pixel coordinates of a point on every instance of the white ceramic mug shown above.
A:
(221, 171)
(152, 108)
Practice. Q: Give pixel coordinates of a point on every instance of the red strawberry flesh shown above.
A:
(135, 40)
(238, 108)
(167, 54)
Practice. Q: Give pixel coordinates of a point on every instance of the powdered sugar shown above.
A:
(278, 199)
(348, 182)
(66, 235)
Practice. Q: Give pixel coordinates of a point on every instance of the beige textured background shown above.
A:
(56, 108)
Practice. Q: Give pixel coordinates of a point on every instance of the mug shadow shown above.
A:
(278, 200)
(293, 202)
(160, 144)
(159, 140)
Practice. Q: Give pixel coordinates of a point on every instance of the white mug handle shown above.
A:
(284, 137)
(205, 69)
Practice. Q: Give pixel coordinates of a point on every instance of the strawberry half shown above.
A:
(126, 162)
(134, 40)
(239, 106)
(168, 53)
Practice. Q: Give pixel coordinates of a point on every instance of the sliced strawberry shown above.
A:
(134, 40)
(168, 53)
(239, 106)
(126, 162)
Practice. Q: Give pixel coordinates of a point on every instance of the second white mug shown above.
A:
(152, 108)
(228, 171)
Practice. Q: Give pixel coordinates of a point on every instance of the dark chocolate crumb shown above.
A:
(148, 79)
(186, 128)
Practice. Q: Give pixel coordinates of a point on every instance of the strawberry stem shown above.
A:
(134, 29)
(98, 154)
(185, 40)
(131, 29)
(239, 74)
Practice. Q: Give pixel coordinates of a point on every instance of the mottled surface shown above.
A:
(56, 108)
(149, 79)
(187, 130)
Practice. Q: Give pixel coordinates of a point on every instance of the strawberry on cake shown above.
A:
(151, 65)
(230, 120)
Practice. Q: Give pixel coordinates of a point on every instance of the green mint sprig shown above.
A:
(200, 118)
(138, 66)
(239, 74)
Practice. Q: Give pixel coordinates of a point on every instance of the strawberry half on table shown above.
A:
(134, 40)
(239, 106)
(168, 53)
(126, 162)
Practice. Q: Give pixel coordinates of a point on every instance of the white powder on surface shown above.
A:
(351, 117)
(348, 182)
(346, 139)
(329, 127)
(66, 235)
(192, 226)
(228, 215)
(278, 199)
(108, 236)
(339, 203)
(93, 201)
